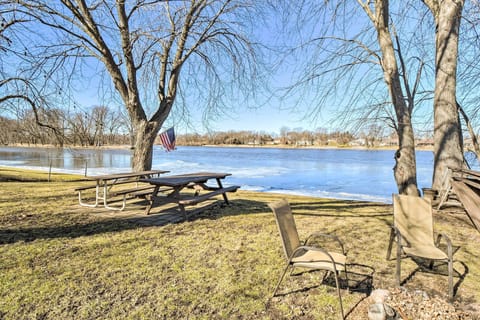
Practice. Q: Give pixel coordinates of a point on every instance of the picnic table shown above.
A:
(168, 189)
(104, 184)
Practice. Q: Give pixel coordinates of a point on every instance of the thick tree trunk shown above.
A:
(405, 170)
(448, 145)
(145, 134)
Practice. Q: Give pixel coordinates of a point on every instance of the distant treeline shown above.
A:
(292, 138)
(97, 128)
(103, 128)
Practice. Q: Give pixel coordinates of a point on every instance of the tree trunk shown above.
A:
(448, 144)
(405, 169)
(145, 134)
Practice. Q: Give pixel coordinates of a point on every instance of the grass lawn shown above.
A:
(63, 261)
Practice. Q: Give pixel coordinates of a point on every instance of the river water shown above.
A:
(331, 173)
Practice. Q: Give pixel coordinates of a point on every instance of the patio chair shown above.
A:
(305, 256)
(413, 232)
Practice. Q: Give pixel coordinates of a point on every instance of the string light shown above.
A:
(3, 23)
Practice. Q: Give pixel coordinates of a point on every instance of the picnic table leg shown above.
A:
(151, 199)
(105, 191)
(105, 203)
(183, 211)
(175, 195)
(224, 194)
(84, 204)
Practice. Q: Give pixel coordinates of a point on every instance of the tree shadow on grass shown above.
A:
(343, 208)
(441, 271)
(116, 221)
(360, 281)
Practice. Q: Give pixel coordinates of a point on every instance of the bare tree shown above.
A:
(20, 92)
(99, 114)
(467, 77)
(7, 134)
(448, 142)
(284, 135)
(5, 40)
(349, 58)
(405, 171)
(403, 92)
(144, 47)
(114, 126)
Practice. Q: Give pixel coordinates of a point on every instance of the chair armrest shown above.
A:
(448, 242)
(326, 235)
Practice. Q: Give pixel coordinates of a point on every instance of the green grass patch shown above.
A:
(13, 174)
(63, 261)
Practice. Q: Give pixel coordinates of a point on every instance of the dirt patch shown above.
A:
(418, 305)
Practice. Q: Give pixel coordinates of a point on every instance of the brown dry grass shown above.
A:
(63, 261)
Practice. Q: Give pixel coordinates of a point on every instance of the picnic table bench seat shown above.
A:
(81, 188)
(131, 191)
(189, 201)
(109, 185)
(147, 191)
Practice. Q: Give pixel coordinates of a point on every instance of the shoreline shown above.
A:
(266, 146)
(16, 174)
(45, 173)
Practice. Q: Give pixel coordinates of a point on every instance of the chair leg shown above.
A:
(339, 294)
(346, 279)
(450, 279)
(398, 268)
(390, 243)
(281, 278)
(430, 265)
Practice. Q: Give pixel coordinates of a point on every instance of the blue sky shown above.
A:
(268, 114)
(267, 119)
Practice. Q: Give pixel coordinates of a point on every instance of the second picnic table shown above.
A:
(168, 189)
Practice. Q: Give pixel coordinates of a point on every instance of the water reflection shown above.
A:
(67, 159)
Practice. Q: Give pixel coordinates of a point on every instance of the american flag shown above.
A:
(168, 139)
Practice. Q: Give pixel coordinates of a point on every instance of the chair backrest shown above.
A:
(286, 226)
(413, 218)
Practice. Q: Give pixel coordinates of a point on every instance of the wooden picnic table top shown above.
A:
(184, 179)
(122, 175)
